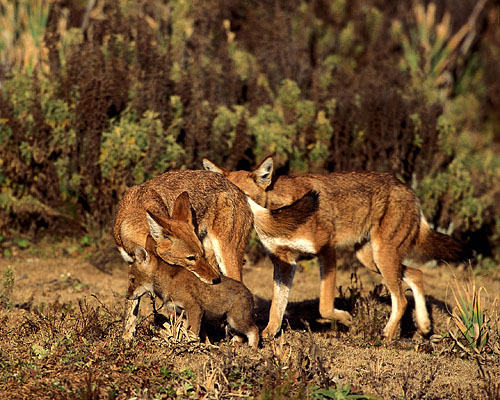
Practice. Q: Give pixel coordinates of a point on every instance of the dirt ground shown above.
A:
(409, 367)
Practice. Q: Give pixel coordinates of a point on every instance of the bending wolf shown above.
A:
(373, 211)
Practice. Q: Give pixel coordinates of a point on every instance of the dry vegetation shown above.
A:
(62, 320)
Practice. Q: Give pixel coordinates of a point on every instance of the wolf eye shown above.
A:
(191, 258)
(132, 280)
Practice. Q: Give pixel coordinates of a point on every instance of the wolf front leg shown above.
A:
(130, 319)
(284, 272)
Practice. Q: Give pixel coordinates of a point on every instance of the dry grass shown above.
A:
(61, 339)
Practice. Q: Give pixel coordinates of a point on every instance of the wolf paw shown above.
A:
(127, 335)
(269, 332)
(338, 315)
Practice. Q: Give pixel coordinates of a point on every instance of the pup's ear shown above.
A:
(150, 245)
(141, 255)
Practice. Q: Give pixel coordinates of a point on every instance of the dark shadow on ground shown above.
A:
(305, 313)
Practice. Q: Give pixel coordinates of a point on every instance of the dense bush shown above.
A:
(115, 94)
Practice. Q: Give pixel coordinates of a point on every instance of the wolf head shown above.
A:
(252, 183)
(177, 243)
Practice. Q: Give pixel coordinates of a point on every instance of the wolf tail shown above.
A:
(282, 222)
(432, 245)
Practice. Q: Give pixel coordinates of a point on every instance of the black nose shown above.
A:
(216, 281)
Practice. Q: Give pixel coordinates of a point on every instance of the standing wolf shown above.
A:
(373, 211)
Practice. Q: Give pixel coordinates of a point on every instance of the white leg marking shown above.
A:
(282, 290)
(423, 322)
(394, 313)
(218, 255)
(131, 310)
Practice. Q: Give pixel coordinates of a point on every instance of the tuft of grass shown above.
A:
(471, 322)
(175, 329)
(431, 49)
(368, 310)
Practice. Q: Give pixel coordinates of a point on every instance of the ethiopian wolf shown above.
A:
(375, 212)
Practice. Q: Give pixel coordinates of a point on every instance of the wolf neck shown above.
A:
(263, 222)
(280, 195)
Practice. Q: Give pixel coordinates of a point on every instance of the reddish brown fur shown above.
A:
(201, 204)
(373, 211)
(219, 212)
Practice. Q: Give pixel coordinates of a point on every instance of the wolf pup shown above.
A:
(229, 298)
(373, 211)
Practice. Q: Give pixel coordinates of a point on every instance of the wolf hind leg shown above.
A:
(389, 264)
(414, 278)
(328, 272)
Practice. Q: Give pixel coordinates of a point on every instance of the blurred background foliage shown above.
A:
(98, 95)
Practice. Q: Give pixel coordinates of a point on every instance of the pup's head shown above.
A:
(177, 243)
(142, 270)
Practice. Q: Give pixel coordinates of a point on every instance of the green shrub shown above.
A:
(129, 153)
(128, 91)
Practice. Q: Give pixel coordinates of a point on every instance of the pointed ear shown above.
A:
(182, 208)
(210, 166)
(157, 226)
(141, 254)
(264, 173)
(150, 245)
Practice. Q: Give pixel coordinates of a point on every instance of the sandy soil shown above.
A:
(409, 367)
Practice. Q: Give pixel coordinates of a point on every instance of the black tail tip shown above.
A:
(468, 254)
(462, 254)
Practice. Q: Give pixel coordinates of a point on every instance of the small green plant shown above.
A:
(6, 287)
(86, 241)
(471, 321)
(21, 243)
(341, 392)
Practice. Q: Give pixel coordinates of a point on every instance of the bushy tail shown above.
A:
(432, 245)
(282, 222)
